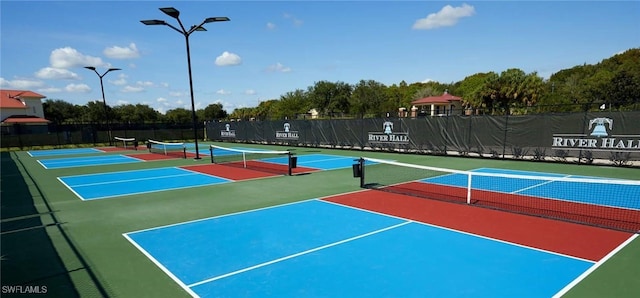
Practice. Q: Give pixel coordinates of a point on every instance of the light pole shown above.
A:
(106, 114)
(174, 13)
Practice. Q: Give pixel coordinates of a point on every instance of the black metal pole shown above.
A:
(193, 106)
(106, 112)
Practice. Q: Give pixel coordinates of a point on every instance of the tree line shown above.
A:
(613, 83)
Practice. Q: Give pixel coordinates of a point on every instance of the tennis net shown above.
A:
(127, 143)
(271, 161)
(608, 203)
(166, 148)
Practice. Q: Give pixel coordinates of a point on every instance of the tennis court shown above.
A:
(54, 152)
(85, 161)
(317, 248)
(181, 227)
(125, 183)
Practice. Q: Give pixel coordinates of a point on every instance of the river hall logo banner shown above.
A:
(228, 132)
(601, 137)
(287, 133)
(388, 136)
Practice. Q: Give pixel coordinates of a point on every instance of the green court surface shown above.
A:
(76, 248)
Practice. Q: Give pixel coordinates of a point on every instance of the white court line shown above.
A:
(81, 160)
(71, 189)
(466, 233)
(594, 267)
(164, 269)
(539, 184)
(136, 179)
(297, 254)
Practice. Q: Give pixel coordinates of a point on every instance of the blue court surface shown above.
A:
(114, 184)
(71, 162)
(623, 194)
(319, 249)
(54, 152)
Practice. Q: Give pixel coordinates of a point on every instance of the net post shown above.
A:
(469, 188)
(184, 151)
(361, 165)
(244, 159)
(211, 153)
(290, 168)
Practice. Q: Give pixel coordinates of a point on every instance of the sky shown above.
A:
(269, 48)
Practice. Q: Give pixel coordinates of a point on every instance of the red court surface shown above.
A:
(582, 241)
(598, 215)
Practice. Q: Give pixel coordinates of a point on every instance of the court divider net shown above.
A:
(127, 143)
(602, 202)
(270, 161)
(167, 148)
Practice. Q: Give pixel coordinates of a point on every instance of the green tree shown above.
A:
(329, 97)
(59, 111)
(179, 116)
(370, 97)
(292, 104)
(214, 112)
(96, 112)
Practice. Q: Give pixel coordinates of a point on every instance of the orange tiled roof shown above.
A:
(24, 119)
(11, 98)
(444, 98)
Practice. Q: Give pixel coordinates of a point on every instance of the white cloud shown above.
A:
(68, 57)
(176, 93)
(223, 92)
(447, 16)
(227, 59)
(427, 81)
(278, 67)
(56, 74)
(116, 52)
(161, 99)
(132, 89)
(49, 90)
(120, 81)
(144, 84)
(250, 92)
(121, 102)
(296, 22)
(23, 84)
(76, 88)
(271, 26)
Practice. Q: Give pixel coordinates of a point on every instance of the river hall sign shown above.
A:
(600, 138)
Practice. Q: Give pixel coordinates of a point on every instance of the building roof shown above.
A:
(11, 98)
(444, 98)
(24, 119)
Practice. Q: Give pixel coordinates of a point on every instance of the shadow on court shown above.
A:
(31, 263)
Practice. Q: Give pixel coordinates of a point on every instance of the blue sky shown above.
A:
(273, 47)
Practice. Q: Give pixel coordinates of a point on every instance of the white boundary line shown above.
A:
(299, 254)
(594, 267)
(189, 173)
(71, 189)
(241, 212)
(467, 233)
(164, 269)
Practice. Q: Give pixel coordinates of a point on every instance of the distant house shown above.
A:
(443, 105)
(21, 108)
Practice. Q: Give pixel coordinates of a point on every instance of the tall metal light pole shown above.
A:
(174, 13)
(106, 114)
